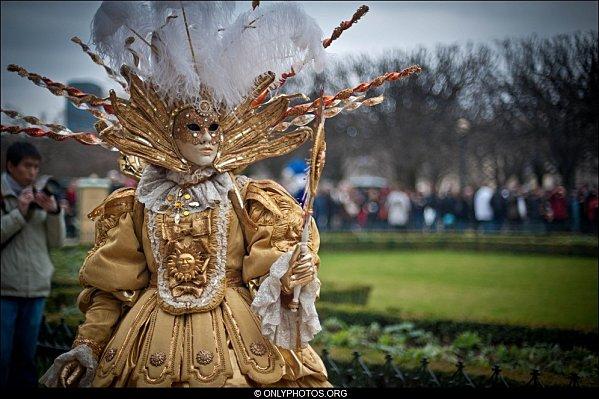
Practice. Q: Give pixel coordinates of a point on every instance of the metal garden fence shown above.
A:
(55, 340)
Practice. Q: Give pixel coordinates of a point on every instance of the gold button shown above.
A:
(170, 197)
(178, 204)
(185, 213)
(187, 196)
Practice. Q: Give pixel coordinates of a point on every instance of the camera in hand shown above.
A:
(47, 185)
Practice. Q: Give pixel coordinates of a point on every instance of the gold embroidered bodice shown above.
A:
(190, 257)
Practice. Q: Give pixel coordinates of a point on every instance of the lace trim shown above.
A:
(216, 280)
(196, 177)
(279, 323)
(207, 187)
(81, 353)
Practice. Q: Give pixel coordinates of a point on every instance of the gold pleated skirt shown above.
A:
(222, 347)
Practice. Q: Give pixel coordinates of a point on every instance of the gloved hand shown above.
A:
(76, 368)
(301, 271)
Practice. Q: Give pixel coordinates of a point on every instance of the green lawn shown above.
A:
(533, 290)
(518, 289)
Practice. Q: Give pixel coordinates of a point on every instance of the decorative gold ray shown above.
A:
(265, 148)
(255, 126)
(146, 123)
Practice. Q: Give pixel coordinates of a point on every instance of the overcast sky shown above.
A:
(36, 35)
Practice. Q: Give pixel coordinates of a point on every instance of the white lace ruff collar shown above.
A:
(208, 187)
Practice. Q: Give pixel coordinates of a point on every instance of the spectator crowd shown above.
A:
(343, 206)
(484, 209)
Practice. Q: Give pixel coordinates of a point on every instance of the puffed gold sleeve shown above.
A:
(279, 223)
(115, 270)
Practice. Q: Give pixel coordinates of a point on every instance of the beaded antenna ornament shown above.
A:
(187, 65)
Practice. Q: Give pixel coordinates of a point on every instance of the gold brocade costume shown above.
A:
(185, 283)
(141, 342)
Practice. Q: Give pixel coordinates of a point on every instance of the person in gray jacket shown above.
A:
(32, 222)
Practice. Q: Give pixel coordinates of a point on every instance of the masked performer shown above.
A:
(192, 276)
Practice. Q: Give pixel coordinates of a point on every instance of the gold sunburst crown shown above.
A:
(147, 126)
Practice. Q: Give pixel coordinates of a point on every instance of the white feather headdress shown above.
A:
(217, 49)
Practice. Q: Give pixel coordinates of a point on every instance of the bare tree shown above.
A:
(550, 96)
(529, 106)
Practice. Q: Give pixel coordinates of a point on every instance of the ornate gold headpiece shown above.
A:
(145, 127)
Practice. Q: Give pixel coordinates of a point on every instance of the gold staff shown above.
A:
(317, 158)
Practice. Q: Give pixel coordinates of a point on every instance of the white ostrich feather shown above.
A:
(230, 52)
(114, 22)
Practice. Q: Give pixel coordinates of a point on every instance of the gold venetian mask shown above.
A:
(197, 133)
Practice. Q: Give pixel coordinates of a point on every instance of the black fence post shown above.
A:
(574, 380)
(332, 367)
(46, 333)
(361, 376)
(424, 376)
(534, 378)
(65, 332)
(460, 377)
(390, 376)
(496, 380)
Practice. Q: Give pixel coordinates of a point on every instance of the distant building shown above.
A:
(79, 120)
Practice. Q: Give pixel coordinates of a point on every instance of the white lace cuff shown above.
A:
(278, 322)
(84, 355)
